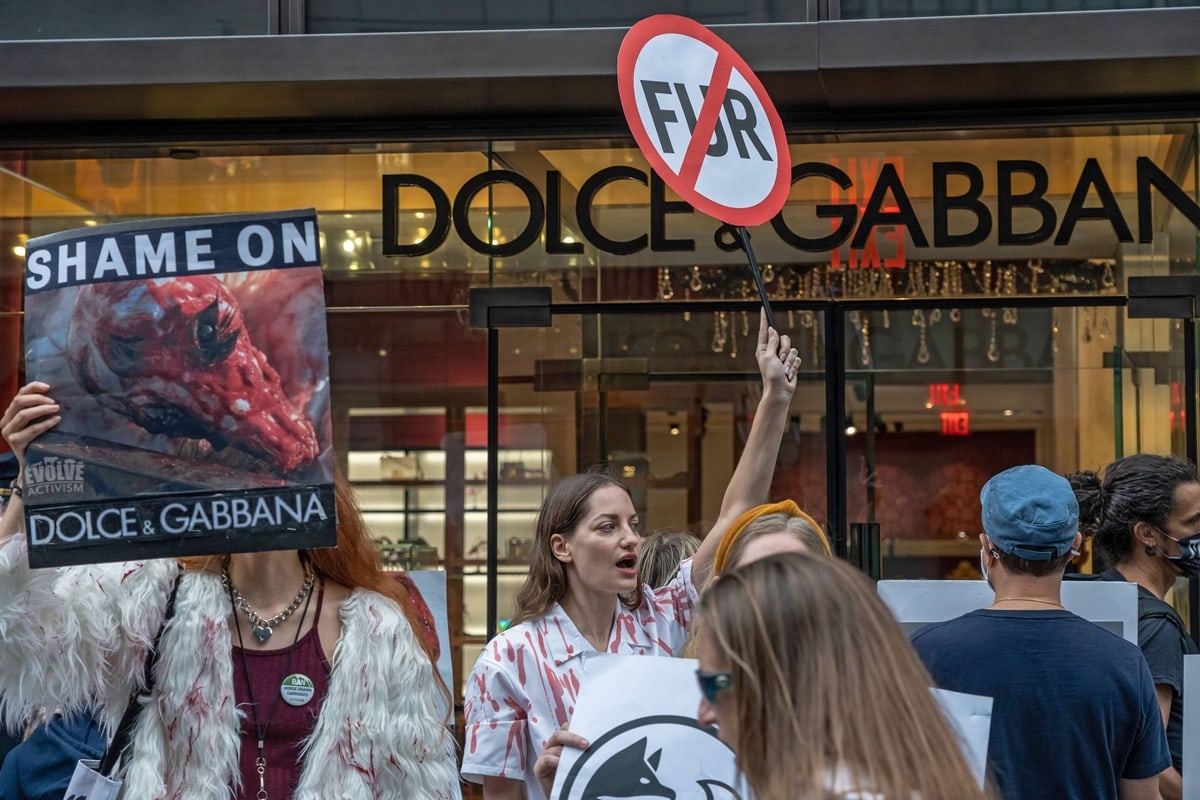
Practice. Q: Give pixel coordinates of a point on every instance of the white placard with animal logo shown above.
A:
(190, 360)
(639, 715)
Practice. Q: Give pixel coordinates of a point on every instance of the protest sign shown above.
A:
(970, 715)
(1191, 724)
(703, 120)
(916, 603)
(190, 362)
(432, 615)
(706, 124)
(639, 715)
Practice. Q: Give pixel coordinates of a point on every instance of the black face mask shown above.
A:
(1188, 560)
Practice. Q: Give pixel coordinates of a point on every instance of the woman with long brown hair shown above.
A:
(812, 683)
(582, 596)
(363, 712)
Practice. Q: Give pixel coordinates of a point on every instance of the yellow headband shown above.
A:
(741, 523)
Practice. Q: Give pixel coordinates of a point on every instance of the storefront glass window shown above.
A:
(940, 399)
(973, 283)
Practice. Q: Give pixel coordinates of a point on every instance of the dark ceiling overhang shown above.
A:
(823, 76)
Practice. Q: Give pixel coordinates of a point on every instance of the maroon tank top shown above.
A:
(290, 725)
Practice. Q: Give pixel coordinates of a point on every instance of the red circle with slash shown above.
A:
(703, 120)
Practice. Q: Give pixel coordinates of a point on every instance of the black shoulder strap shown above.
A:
(120, 741)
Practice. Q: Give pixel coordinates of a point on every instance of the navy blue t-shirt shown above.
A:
(1074, 708)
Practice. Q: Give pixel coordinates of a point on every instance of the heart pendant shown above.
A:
(262, 633)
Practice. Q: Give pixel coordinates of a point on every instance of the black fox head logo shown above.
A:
(629, 773)
(683, 759)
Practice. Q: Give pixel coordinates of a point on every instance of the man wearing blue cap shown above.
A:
(1075, 713)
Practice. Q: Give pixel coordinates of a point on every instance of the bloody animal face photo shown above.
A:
(175, 357)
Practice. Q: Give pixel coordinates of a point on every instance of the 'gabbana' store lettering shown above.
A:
(886, 203)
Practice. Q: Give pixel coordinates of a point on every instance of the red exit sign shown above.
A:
(949, 395)
(945, 394)
(956, 423)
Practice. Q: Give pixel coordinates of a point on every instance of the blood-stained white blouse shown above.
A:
(525, 682)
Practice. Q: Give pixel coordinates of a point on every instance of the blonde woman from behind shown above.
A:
(813, 684)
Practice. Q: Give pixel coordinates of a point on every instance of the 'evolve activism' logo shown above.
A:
(54, 475)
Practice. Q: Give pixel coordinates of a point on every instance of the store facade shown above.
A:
(970, 198)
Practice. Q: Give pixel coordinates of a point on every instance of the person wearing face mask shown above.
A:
(1074, 715)
(1145, 514)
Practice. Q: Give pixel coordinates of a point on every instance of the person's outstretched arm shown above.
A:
(73, 636)
(778, 363)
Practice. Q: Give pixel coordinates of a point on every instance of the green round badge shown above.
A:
(297, 689)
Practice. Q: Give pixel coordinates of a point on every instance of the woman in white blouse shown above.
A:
(582, 596)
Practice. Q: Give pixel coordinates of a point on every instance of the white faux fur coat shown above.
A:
(78, 636)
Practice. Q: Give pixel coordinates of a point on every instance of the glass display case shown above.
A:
(422, 520)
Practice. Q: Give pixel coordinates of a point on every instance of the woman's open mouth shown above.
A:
(628, 564)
